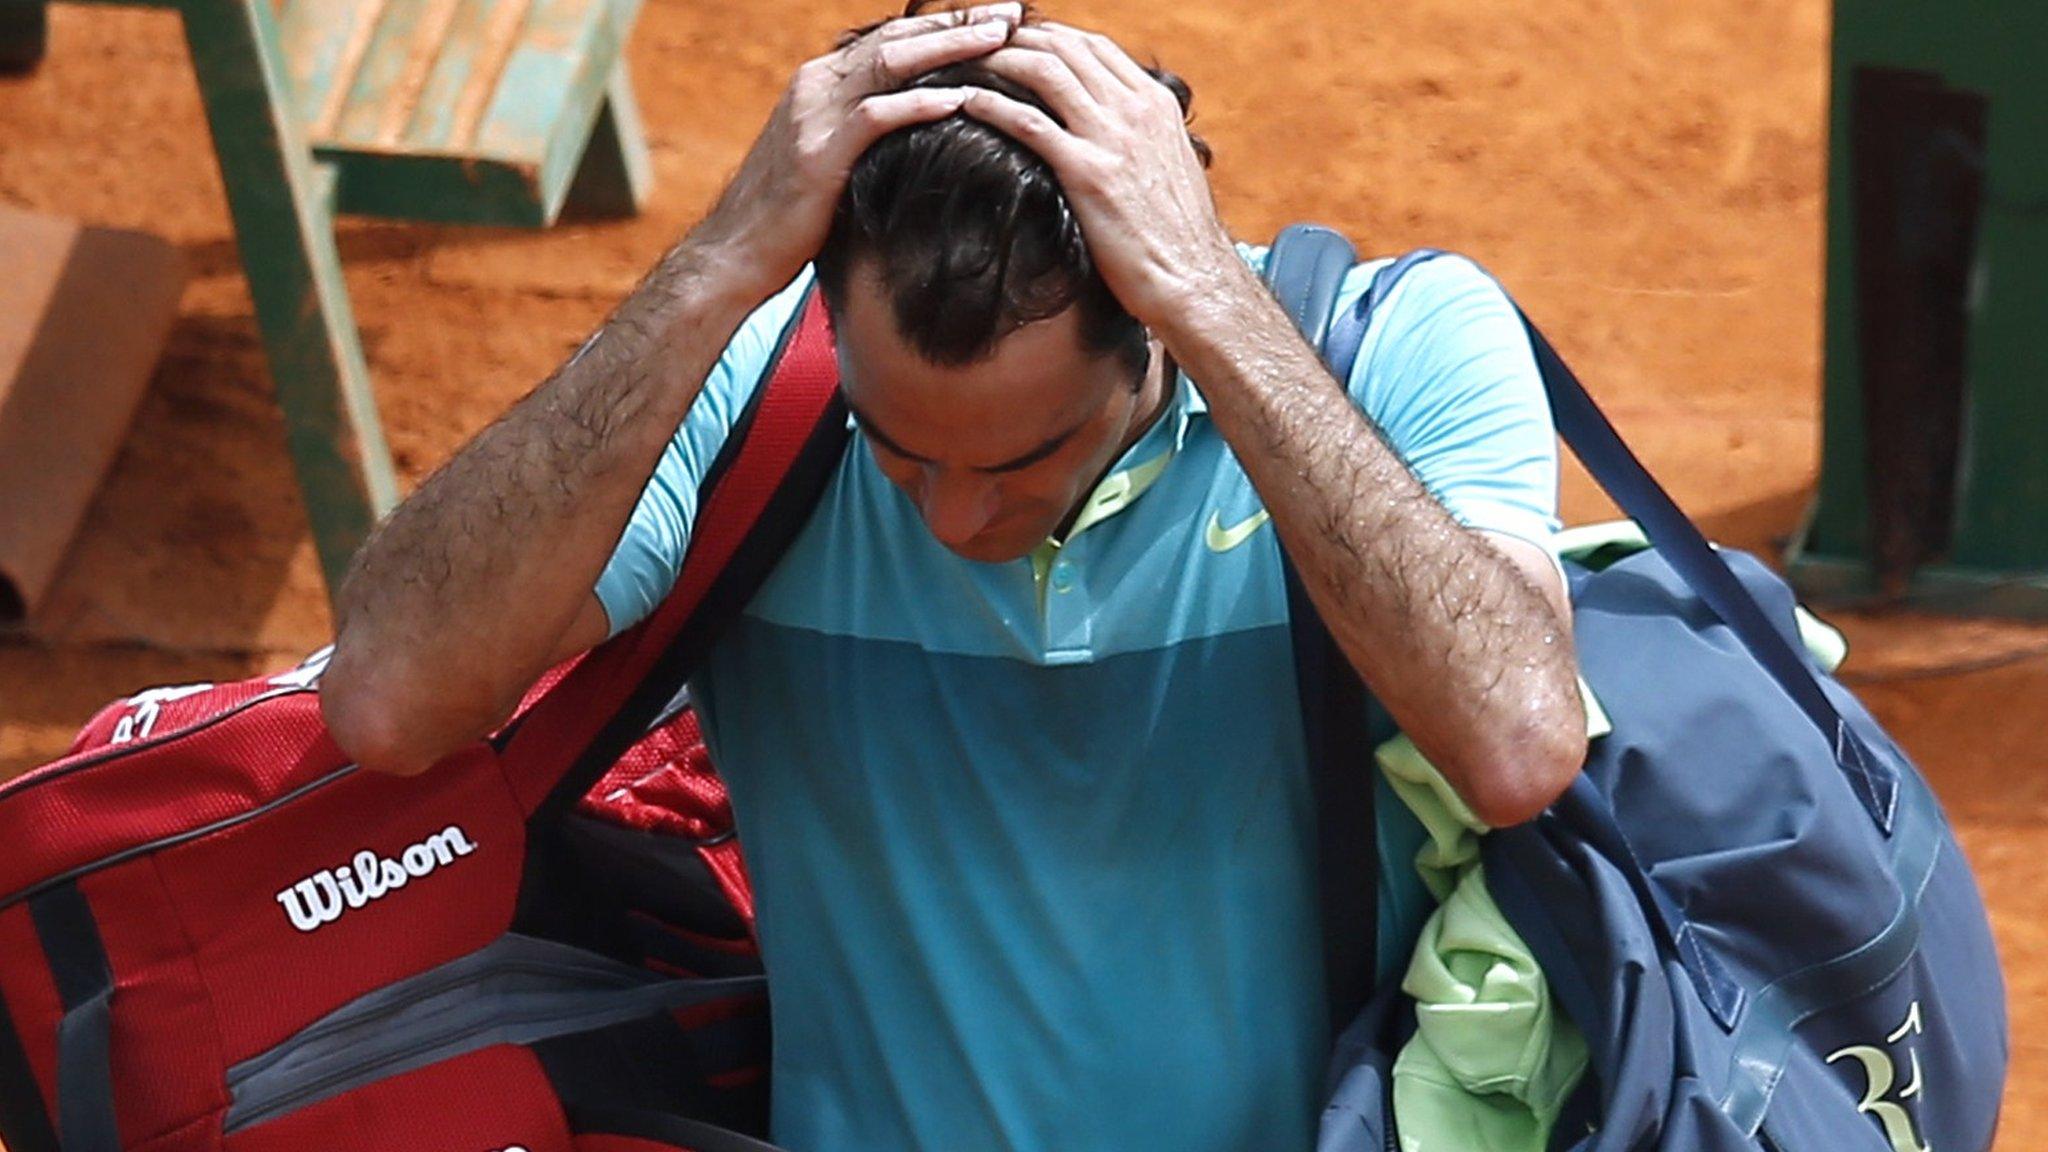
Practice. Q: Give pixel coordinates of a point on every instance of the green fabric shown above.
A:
(1493, 1059)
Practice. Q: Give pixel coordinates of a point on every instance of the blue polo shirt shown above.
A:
(1033, 843)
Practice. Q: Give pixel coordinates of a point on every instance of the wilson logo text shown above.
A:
(320, 899)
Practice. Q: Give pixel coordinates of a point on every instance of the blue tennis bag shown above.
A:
(1750, 902)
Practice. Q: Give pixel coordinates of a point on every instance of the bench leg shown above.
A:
(615, 175)
(284, 223)
(24, 33)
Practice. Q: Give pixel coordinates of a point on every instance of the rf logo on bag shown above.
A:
(321, 898)
(139, 723)
(1879, 1072)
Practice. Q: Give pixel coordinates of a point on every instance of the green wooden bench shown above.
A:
(471, 111)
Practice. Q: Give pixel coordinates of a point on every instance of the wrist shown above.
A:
(1215, 312)
(721, 277)
(1191, 286)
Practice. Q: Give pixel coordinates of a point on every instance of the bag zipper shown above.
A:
(1389, 1141)
(95, 758)
(173, 840)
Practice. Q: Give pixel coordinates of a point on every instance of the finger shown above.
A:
(878, 115)
(891, 64)
(1111, 55)
(1051, 80)
(1009, 12)
(1025, 124)
(1071, 45)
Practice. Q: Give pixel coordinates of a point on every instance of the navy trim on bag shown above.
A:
(85, 985)
(24, 1124)
(1764, 1041)
(1333, 710)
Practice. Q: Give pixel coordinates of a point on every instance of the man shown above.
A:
(1011, 732)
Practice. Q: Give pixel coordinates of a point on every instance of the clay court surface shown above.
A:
(1646, 176)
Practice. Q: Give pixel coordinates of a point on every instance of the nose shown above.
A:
(957, 505)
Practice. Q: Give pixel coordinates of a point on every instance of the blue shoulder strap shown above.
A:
(1617, 470)
(1305, 269)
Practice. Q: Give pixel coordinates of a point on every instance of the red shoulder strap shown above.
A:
(752, 502)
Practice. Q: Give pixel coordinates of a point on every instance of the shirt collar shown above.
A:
(1143, 462)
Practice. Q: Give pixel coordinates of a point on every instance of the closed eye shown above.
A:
(1048, 448)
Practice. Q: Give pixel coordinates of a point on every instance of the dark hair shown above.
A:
(970, 233)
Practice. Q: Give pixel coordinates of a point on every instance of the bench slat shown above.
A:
(377, 95)
(480, 41)
(554, 72)
(323, 42)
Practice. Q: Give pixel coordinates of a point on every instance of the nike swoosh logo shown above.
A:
(1223, 539)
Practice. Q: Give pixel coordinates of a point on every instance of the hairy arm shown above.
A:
(484, 577)
(1462, 634)
(1463, 642)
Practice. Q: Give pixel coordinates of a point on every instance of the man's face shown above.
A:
(998, 453)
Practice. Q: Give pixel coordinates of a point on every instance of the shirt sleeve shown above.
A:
(649, 554)
(1446, 372)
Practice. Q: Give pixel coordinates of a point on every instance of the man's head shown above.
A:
(993, 371)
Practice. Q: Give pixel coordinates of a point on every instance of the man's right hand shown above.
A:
(774, 215)
(483, 578)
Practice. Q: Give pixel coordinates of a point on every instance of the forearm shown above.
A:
(1468, 655)
(463, 595)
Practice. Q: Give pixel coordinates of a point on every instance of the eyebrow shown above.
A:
(1050, 446)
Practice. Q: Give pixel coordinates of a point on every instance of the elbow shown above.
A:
(363, 708)
(1516, 783)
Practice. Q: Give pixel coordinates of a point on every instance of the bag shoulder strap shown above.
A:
(752, 502)
(1872, 772)
(1305, 270)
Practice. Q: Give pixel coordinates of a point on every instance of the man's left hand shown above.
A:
(1121, 153)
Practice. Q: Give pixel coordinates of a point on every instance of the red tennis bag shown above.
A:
(218, 934)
